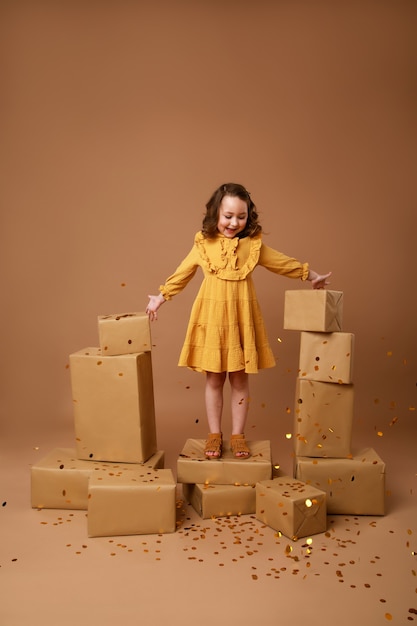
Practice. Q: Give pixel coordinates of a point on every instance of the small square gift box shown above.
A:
(327, 357)
(319, 310)
(125, 333)
(291, 507)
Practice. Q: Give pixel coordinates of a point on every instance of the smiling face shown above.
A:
(233, 215)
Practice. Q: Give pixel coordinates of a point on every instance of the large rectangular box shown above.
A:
(113, 400)
(323, 417)
(60, 480)
(291, 507)
(221, 500)
(319, 310)
(327, 357)
(124, 333)
(354, 486)
(137, 503)
(194, 467)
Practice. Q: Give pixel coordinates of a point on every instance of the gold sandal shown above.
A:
(239, 447)
(213, 448)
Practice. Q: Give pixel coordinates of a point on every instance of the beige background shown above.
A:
(118, 120)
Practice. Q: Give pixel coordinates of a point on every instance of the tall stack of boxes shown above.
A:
(324, 407)
(116, 471)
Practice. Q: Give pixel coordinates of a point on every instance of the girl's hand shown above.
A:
(153, 305)
(319, 281)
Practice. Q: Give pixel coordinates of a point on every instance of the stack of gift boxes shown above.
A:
(354, 482)
(328, 478)
(115, 472)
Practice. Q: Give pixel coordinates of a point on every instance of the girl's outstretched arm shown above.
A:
(318, 281)
(153, 305)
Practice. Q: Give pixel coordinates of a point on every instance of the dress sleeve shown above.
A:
(182, 275)
(279, 263)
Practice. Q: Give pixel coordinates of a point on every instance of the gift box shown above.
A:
(354, 486)
(323, 417)
(60, 480)
(291, 507)
(327, 357)
(136, 503)
(221, 500)
(318, 310)
(113, 400)
(194, 467)
(126, 333)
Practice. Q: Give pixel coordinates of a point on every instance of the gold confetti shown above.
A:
(279, 339)
(389, 353)
(288, 435)
(308, 503)
(388, 616)
(380, 433)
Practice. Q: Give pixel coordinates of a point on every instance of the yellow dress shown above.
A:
(226, 331)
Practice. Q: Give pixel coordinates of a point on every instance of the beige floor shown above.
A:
(226, 571)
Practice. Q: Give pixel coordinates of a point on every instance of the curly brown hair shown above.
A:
(211, 218)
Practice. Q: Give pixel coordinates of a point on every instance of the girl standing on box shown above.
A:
(226, 335)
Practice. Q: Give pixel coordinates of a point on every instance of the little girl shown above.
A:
(226, 334)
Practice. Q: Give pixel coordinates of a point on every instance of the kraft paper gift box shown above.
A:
(291, 507)
(221, 500)
(323, 417)
(193, 467)
(137, 503)
(354, 486)
(327, 357)
(60, 480)
(318, 310)
(125, 333)
(113, 402)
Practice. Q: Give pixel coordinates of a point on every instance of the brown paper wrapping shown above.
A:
(353, 486)
(124, 333)
(137, 503)
(113, 400)
(327, 357)
(193, 467)
(60, 480)
(318, 310)
(221, 500)
(323, 417)
(291, 507)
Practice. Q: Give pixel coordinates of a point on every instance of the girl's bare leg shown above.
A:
(214, 400)
(239, 384)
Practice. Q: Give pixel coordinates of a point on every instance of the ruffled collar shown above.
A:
(229, 259)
